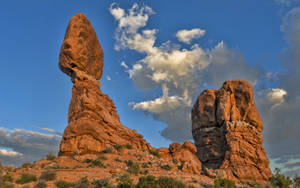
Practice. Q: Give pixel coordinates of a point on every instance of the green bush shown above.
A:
(108, 150)
(63, 184)
(155, 153)
(102, 183)
(101, 158)
(7, 185)
(128, 146)
(97, 163)
(118, 160)
(26, 165)
(118, 147)
(224, 183)
(82, 183)
(7, 178)
(125, 179)
(48, 175)
(166, 167)
(26, 178)
(50, 156)
(161, 182)
(279, 180)
(40, 184)
(133, 168)
(296, 181)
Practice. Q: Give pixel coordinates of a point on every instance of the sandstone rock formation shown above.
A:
(184, 155)
(227, 128)
(93, 121)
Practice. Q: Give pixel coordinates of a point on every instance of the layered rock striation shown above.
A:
(93, 122)
(227, 128)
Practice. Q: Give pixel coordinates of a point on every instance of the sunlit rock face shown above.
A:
(93, 120)
(227, 128)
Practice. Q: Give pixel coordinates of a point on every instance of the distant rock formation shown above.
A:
(227, 128)
(93, 121)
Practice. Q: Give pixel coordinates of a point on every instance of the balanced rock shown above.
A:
(93, 121)
(227, 128)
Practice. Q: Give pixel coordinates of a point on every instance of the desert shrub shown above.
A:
(125, 179)
(26, 186)
(296, 181)
(102, 183)
(128, 146)
(145, 172)
(26, 178)
(280, 180)
(161, 182)
(166, 167)
(145, 165)
(82, 183)
(155, 153)
(224, 183)
(48, 175)
(133, 168)
(7, 185)
(101, 158)
(174, 161)
(87, 160)
(147, 182)
(63, 184)
(97, 163)
(118, 160)
(108, 150)
(118, 147)
(26, 165)
(7, 178)
(40, 184)
(50, 156)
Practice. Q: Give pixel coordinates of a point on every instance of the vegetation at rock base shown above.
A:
(280, 180)
(102, 183)
(128, 146)
(26, 178)
(63, 184)
(50, 156)
(224, 183)
(133, 168)
(108, 150)
(7, 178)
(166, 167)
(48, 175)
(118, 147)
(40, 184)
(155, 153)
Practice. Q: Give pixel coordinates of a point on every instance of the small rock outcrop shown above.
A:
(227, 128)
(184, 156)
(93, 120)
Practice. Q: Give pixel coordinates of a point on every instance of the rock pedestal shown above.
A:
(227, 128)
(93, 121)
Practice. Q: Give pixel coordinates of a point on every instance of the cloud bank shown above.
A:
(179, 72)
(22, 146)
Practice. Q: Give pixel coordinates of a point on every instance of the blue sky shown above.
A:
(256, 40)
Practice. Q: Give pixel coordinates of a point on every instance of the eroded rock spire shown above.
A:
(227, 128)
(93, 121)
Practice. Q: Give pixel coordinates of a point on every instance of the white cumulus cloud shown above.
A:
(187, 36)
(179, 72)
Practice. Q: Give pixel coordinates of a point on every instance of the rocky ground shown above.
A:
(111, 164)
